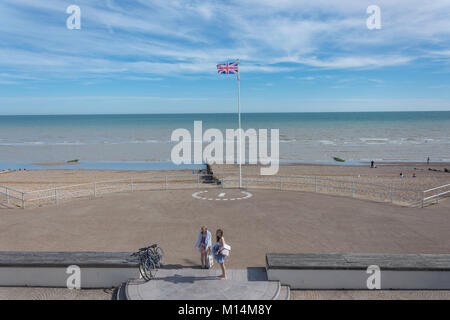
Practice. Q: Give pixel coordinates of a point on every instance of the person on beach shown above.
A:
(428, 160)
(372, 164)
(204, 245)
(218, 255)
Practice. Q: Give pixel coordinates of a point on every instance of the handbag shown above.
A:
(209, 261)
(226, 250)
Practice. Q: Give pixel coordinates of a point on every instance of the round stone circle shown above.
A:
(221, 195)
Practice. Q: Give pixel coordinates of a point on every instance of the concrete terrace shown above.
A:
(268, 221)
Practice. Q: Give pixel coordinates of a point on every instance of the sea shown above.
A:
(143, 141)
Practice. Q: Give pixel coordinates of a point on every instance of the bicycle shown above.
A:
(151, 258)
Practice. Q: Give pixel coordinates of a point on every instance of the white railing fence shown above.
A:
(94, 189)
(375, 192)
(355, 189)
(12, 196)
(435, 194)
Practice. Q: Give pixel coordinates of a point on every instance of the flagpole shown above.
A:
(240, 138)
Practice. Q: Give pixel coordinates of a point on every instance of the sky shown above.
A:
(160, 56)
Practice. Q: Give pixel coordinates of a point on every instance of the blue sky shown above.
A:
(160, 56)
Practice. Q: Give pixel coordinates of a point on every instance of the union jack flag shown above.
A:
(228, 68)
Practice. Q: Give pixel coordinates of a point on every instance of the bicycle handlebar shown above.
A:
(153, 246)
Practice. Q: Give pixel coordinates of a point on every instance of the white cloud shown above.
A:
(7, 82)
(442, 53)
(158, 37)
(96, 98)
(357, 62)
(142, 78)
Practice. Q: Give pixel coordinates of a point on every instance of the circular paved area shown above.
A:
(222, 195)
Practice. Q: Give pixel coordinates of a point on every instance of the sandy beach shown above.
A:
(31, 180)
(385, 173)
(382, 183)
(427, 176)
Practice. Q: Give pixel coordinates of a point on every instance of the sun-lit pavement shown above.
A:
(369, 295)
(100, 294)
(269, 221)
(22, 293)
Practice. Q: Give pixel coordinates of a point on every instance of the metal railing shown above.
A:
(94, 189)
(433, 195)
(355, 189)
(13, 196)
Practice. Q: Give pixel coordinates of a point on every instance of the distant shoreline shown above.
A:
(213, 113)
(168, 166)
(101, 165)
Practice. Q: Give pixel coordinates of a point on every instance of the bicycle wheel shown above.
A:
(149, 267)
(154, 255)
(160, 254)
(142, 269)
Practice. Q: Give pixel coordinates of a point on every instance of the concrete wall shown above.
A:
(91, 277)
(357, 279)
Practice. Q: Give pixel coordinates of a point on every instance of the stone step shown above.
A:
(120, 292)
(198, 284)
(284, 294)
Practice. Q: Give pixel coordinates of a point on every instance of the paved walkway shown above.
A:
(370, 295)
(31, 293)
(14, 293)
(198, 284)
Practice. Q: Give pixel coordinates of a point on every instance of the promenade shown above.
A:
(268, 221)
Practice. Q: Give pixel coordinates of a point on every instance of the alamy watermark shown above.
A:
(74, 20)
(374, 20)
(189, 150)
(74, 279)
(374, 280)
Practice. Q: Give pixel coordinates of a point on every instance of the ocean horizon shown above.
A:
(307, 137)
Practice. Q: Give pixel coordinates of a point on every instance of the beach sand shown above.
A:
(30, 180)
(382, 183)
(386, 174)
